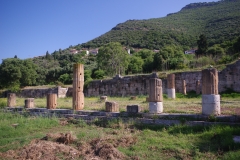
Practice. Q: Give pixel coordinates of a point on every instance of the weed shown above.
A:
(182, 120)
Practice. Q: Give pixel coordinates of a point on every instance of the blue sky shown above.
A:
(30, 28)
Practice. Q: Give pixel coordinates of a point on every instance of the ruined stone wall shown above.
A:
(41, 93)
(230, 78)
(139, 85)
(190, 79)
(120, 86)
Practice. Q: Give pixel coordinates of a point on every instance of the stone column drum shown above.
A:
(198, 89)
(11, 100)
(29, 103)
(155, 96)
(78, 83)
(210, 96)
(51, 101)
(184, 89)
(171, 86)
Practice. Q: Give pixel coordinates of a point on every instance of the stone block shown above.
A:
(133, 108)
(111, 107)
(210, 81)
(29, 103)
(103, 98)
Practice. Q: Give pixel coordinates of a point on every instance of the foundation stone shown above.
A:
(29, 103)
(111, 107)
(133, 108)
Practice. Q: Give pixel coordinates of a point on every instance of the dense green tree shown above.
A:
(135, 65)
(147, 56)
(97, 74)
(48, 56)
(65, 78)
(202, 46)
(159, 61)
(215, 51)
(16, 73)
(112, 58)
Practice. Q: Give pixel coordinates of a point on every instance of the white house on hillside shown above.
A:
(192, 51)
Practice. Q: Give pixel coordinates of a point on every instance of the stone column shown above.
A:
(155, 96)
(210, 96)
(51, 101)
(171, 86)
(11, 101)
(29, 103)
(198, 89)
(78, 83)
(184, 89)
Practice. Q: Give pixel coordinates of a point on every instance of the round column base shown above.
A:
(211, 104)
(155, 107)
(171, 93)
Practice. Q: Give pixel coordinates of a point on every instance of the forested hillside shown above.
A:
(219, 21)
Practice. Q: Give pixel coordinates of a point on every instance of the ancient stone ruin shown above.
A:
(11, 100)
(29, 103)
(210, 96)
(184, 87)
(155, 96)
(78, 83)
(111, 107)
(51, 101)
(171, 86)
(198, 87)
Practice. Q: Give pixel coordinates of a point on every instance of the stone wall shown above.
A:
(229, 78)
(41, 93)
(120, 86)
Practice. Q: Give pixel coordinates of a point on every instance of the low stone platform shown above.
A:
(144, 118)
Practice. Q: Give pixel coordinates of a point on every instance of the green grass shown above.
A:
(26, 128)
(152, 141)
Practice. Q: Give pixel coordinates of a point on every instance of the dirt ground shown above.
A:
(65, 146)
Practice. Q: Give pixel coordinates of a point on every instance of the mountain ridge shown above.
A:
(218, 20)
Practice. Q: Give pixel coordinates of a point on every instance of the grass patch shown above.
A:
(125, 140)
(16, 130)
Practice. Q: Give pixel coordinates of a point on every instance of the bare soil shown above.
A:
(65, 146)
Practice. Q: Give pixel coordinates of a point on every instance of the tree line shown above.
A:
(112, 59)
